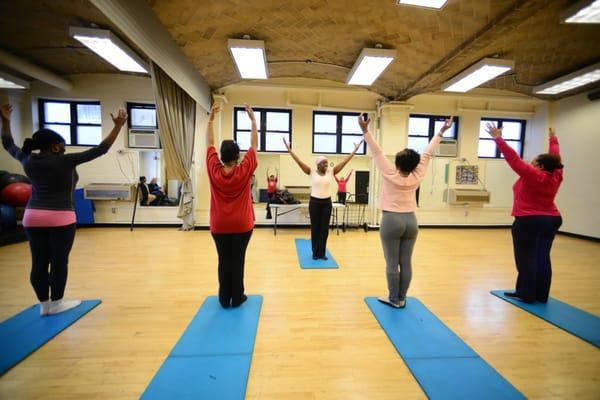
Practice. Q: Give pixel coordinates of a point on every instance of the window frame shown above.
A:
(431, 129)
(338, 132)
(74, 120)
(500, 123)
(262, 129)
(135, 105)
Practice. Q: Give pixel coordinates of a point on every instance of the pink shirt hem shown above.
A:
(37, 218)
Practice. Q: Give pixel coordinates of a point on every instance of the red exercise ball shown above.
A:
(16, 194)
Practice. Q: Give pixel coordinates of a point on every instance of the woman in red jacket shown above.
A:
(231, 209)
(537, 218)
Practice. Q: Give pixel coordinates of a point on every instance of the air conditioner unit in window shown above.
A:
(144, 138)
(447, 148)
(466, 196)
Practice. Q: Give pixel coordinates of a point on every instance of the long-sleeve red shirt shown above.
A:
(231, 209)
(535, 190)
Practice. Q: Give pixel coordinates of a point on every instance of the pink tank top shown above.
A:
(36, 218)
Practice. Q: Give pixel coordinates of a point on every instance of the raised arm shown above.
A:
(276, 174)
(341, 165)
(380, 159)
(349, 175)
(210, 133)
(305, 168)
(7, 140)
(510, 155)
(268, 178)
(254, 133)
(102, 148)
(118, 122)
(553, 147)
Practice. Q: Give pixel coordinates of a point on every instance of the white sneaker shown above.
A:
(44, 307)
(62, 305)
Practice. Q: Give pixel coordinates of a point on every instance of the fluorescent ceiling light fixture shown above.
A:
(8, 81)
(571, 81)
(111, 48)
(250, 58)
(583, 12)
(369, 65)
(477, 74)
(422, 3)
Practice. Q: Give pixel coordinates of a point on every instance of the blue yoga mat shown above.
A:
(212, 358)
(25, 332)
(444, 366)
(580, 323)
(304, 251)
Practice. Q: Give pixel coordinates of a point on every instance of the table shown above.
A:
(282, 209)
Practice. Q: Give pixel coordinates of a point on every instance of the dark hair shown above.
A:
(230, 151)
(407, 160)
(549, 162)
(142, 179)
(42, 140)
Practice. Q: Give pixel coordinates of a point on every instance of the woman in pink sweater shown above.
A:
(398, 203)
(537, 218)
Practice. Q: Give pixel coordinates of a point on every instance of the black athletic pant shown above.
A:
(50, 247)
(231, 248)
(342, 197)
(320, 214)
(532, 241)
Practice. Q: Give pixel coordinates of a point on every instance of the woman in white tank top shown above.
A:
(319, 206)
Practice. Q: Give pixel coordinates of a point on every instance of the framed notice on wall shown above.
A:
(467, 175)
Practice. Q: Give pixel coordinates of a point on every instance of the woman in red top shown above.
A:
(271, 189)
(342, 191)
(231, 210)
(537, 218)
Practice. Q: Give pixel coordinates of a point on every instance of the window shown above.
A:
(273, 126)
(513, 132)
(78, 122)
(422, 128)
(336, 133)
(141, 116)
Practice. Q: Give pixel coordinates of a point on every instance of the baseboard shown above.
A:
(578, 236)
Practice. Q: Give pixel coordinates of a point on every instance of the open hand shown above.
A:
(6, 111)
(493, 131)
(447, 124)
(214, 111)
(364, 125)
(250, 112)
(120, 119)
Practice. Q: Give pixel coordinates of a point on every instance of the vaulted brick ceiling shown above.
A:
(322, 38)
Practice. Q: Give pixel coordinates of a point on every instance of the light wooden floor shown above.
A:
(316, 337)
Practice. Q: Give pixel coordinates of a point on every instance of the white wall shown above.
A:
(576, 121)
(574, 115)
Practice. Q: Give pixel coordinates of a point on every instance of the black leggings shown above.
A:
(50, 246)
(231, 248)
(532, 241)
(320, 214)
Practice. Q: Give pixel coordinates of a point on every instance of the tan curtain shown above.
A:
(176, 112)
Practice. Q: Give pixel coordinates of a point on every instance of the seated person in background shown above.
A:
(148, 199)
(155, 188)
